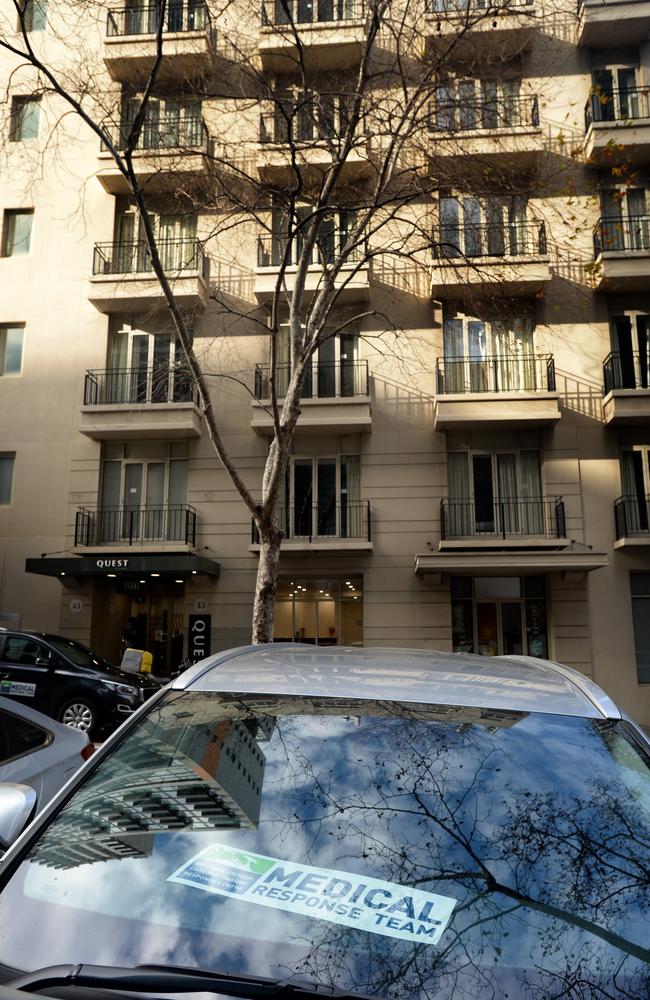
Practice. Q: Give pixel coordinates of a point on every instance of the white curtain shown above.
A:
(459, 505)
(531, 493)
(452, 334)
(508, 502)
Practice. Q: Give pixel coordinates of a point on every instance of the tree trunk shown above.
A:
(266, 586)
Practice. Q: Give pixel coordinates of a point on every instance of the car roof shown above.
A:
(507, 683)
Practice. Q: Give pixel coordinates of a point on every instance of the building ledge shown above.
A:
(137, 548)
(627, 406)
(513, 275)
(332, 545)
(622, 270)
(632, 542)
(119, 422)
(506, 562)
(521, 542)
(465, 410)
(337, 415)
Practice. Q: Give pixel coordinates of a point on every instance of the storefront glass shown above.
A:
(324, 611)
(499, 615)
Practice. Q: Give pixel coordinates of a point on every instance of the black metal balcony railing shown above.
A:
(472, 240)
(133, 258)
(127, 525)
(271, 250)
(184, 131)
(496, 373)
(615, 234)
(503, 517)
(626, 371)
(139, 386)
(329, 380)
(474, 7)
(453, 115)
(325, 521)
(617, 105)
(181, 16)
(284, 12)
(309, 121)
(632, 516)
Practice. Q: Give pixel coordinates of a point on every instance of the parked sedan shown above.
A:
(36, 751)
(293, 821)
(63, 678)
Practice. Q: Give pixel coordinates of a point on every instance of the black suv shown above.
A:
(67, 681)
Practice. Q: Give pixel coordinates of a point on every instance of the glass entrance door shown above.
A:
(499, 628)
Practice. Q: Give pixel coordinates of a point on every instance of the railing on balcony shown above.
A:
(632, 516)
(327, 380)
(614, 234)
(475, 7)
(138, 524)
(327, 521)
(284, 12)
(144, 19)
(626, 371)
(275, 251)
(471, 240)
(496, 373)
(617, 105)
(186, 130)
(139, 386)
(134, 258)
(453, 115)
(502, 517)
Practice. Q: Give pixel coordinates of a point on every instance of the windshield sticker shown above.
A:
(341, 897)
(18, 687)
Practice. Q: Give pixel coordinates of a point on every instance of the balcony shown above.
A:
(311, 149)
(511, 259)
(188, 42)
(604, 24)
(626, 397)
(139, 403)
(123, 279)
(622, 254)
(335, 398)
(331, 32)
(491, 522)
(505, 28)
(152, 527)
(277, 259)
(632, 521)
(499, 390)
(327, 527)
(172, 152)
(504, 132)
(617, 127)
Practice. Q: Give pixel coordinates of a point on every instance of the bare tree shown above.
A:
(326, 163)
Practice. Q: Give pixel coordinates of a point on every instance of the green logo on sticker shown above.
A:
(252, 862)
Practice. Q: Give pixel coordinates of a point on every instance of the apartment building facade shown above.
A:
(475, 479)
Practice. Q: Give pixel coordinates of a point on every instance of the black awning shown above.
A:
(125, 564)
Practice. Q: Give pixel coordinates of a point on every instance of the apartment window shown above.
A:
(333, 233)
(176, 236)
(464, 105)
(624, 222)
(323, 499)
(17, 232)
(628, 366)
(169, 123)
(634, 504)
(335, 369)
(143, 491)
(321, 611)
(35, 15)
(615, 96)
(487, 227)
(499, 615)
(7, 460)
(11, 349)
(495, 493)
(25, 116)
(640, 589)
(144, 366)
(489, 355)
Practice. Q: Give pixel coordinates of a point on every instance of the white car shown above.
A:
(37, 751)
(299, 822)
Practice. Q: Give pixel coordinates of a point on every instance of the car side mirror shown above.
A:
(17, 805)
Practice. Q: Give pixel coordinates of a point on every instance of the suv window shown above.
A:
(18, 737)
(24, 649)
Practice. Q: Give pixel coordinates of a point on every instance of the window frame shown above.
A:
(19, 102)
(10, 214)
(4, 328)
(11, 455)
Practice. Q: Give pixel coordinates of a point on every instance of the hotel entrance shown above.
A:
(141, 614)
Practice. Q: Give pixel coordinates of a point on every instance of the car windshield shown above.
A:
(406, 851)
(78, 653)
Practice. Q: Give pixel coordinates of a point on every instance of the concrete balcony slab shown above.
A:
(341, 415)
(123, 422)
(513, 276)
(604, 24)
(517, 409)
(627, 406)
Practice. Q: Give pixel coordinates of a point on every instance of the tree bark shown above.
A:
(266, 585)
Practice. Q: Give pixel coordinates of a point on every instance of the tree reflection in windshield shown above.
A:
(539, 827)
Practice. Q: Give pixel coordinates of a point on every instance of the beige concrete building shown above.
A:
(480, 484)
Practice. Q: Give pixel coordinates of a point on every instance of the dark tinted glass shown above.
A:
(18, 737)
(404, 851)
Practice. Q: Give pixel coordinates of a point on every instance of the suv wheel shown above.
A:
(78, 713)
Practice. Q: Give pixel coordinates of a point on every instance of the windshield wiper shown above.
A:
(175, 979)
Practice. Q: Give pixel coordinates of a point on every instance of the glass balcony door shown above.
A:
(497, 493)
(142, 368)
(635, 480)
(324, 497)
(631, 350)
(142, 500)
(615, 94)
